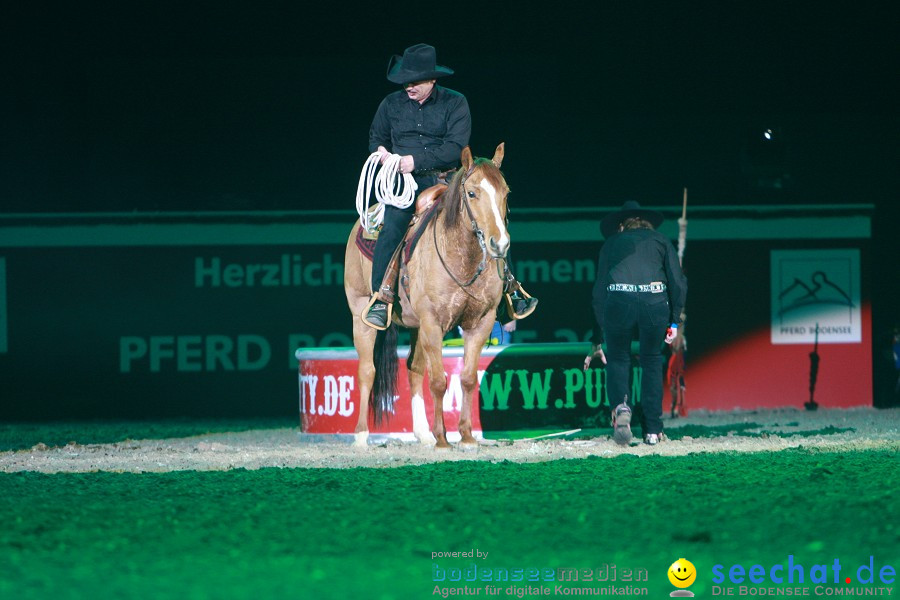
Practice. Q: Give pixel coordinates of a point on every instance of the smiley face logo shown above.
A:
(682, 573)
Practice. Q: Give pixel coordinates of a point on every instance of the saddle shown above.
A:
(426, 207)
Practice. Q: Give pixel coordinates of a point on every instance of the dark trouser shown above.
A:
(648, 314)
(396, 221)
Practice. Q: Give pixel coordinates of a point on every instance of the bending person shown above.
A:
(640, 290)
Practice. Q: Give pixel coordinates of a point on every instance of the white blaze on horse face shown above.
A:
(503, 242)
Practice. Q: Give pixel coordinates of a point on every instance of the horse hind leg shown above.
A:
(415, 366)
(364, 340)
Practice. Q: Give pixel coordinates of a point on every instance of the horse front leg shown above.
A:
(364, 340)
(475, 339)
(415, 366)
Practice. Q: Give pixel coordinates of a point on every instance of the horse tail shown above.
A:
(384, 388)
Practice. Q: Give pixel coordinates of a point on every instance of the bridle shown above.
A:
(479, 235)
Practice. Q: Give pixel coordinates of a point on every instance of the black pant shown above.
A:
(647, 313)
(393, 228)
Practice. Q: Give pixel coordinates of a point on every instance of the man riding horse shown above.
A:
(427, 125)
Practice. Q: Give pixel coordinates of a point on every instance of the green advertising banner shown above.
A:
(156, 315)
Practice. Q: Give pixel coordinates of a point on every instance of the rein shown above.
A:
(479, 234)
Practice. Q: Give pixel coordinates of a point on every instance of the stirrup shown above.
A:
(365, 313)
(510, 309)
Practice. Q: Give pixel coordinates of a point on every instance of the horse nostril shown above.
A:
(495, 247)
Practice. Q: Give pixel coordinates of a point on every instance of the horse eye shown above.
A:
(471, 194)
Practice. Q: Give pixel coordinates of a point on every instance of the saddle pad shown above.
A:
(365, 244)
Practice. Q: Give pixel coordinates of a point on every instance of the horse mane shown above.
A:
(451, 201)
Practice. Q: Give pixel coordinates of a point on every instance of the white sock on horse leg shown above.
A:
(420, 420)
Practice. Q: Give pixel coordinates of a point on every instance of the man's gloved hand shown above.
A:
(596, 352)
(671, 333)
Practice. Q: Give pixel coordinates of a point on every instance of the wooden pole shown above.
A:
(675, 370)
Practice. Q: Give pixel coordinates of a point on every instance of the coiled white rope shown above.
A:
(389, 189)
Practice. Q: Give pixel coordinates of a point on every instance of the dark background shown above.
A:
(213, 106)
(225, 105)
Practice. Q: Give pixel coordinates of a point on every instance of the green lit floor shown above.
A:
(370, 533)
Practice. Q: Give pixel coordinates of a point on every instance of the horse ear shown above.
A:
(498, 155)
(466, 159)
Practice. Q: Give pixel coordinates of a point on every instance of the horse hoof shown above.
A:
(468, 446)
(426, 438)
(361, 439)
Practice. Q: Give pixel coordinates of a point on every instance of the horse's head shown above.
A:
(478, 192)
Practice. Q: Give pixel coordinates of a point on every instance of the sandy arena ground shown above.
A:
(867, 428)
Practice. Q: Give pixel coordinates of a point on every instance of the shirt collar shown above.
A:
(435, 94)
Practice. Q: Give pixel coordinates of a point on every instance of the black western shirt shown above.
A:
(638, 257)
(434, 132)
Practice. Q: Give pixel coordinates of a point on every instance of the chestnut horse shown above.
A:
(454, 277)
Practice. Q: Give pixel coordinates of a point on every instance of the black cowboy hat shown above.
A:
(418, 63)
(610, 223)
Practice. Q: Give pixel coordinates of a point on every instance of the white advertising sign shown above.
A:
(815, 296)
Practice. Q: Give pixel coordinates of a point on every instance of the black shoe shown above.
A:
(377, 315)
(522, 307)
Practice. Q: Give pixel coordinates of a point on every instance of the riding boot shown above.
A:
(377, 313)
(519, 303)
